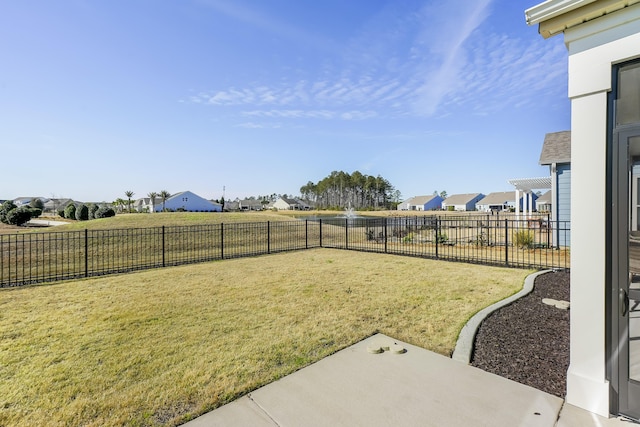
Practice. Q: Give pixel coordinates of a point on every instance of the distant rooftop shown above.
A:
(556, 148)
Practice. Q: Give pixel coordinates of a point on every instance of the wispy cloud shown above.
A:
(431, 62)
(312, 114)
(448, 27)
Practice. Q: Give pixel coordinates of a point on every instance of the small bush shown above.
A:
(37, 204)
(92, 210)
(481, 239)
(21, 215)
(104, 212)
(442, 237)
(70, 211)
(82, 213)
(5, 208)
(524, 239)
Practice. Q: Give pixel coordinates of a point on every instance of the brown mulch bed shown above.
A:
(528, 341)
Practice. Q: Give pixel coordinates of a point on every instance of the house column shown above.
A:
(517, 204)
(587, 385)
(530, 195)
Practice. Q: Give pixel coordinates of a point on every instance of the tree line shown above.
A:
(341, 190)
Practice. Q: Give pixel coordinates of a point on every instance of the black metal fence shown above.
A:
(28, 258)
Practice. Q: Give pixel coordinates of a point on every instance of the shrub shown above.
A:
(5, 208)
(523, 239)
(82, 213)
(61, 212)
(70, 211)
(92, 210)
(21, 215)
(35, 212)
(37, 203)
(442, 237)
(104, 212)
(481, 239)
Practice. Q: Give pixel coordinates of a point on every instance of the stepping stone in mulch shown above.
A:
(562, 305)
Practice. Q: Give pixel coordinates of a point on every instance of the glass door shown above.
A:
(626, 201)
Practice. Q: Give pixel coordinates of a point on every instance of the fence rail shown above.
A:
(29, 258)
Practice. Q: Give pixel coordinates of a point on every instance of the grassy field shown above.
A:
(159, 347)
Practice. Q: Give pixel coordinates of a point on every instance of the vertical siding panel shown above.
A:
(564, 199)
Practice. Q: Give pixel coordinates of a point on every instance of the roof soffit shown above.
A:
(552, 8)
(555, 16)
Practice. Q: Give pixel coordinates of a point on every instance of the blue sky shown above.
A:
(262, 96)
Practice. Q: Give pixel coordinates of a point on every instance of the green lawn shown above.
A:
(162, 346)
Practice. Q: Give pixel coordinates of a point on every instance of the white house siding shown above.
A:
(281, 205)
(404, 206)
(189, 202)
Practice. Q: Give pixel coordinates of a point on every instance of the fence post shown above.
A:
(506, 242)
(346, 233)
(385, 235)
(437, 234)
(86, 252)
(268, 237)
(549, 232)
(306, 234)
(221, 240)
(163, 251)
(320, 221)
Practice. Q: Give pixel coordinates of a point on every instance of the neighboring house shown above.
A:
(288, 204)
(54, 205)
(502, 201)
(603, 43)
(543, 203)
(306, 205)
(556, 153)
(24, 201)
(421, 203)
(231, 206)
(250, 205)
(462, 202)
(144, 204)
(188, 201)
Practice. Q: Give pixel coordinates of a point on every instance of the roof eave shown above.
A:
(552, 8)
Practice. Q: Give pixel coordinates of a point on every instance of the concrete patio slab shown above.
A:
(415, 388)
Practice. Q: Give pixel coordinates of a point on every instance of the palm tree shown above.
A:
(119, 204)
(164, 195)
(152, 196)
(129, 195)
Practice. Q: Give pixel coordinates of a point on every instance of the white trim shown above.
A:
(531, 183)
(552, 8)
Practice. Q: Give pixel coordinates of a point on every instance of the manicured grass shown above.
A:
(159, 347)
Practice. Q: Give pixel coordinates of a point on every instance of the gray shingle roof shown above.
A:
(544, 198)
(421, 200)
(556, 148)
(460, 199)
(499, 198)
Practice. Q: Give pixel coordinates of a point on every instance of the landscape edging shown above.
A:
(464, 346)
